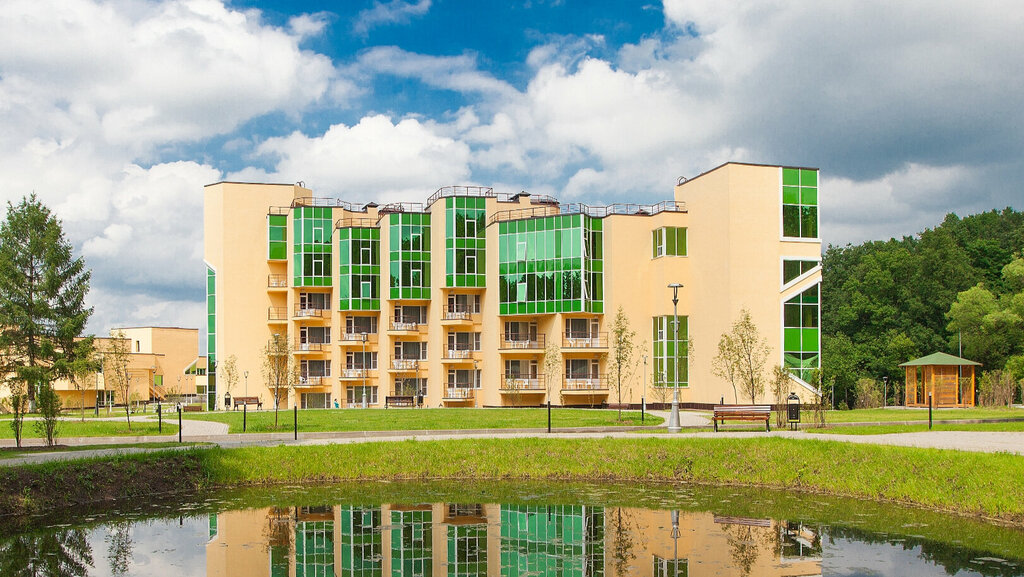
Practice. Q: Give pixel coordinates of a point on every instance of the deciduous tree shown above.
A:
(279, 370)
(622, 361)
(742, 353)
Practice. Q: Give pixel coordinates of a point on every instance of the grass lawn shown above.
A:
(889, 429)
(901, 414)
(424, 419)
(11, 452)
(92, 429)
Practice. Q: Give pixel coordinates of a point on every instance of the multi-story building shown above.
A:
(475, 298)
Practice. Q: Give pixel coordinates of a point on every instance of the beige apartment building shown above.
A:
(159, 360)
(476, 298)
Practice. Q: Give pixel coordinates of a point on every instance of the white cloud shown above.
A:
(458, 73)
(387, 13)
(308, 25)
(373, 160)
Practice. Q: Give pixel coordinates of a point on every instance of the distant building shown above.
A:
(462, 298)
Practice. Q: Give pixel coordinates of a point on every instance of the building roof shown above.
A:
(940, 359)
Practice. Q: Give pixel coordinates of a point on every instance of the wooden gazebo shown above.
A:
(949, 379)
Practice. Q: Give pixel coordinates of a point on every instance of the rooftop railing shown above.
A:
(592, 211)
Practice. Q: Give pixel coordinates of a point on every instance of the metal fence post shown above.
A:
(159, 419)
(549, 416)
(929, 411)
(179, 423)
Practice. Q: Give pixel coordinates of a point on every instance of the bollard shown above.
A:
(643, 409)
(929, 411)
(244, 407)
(295, 410)
(549, 416)
(179, 423)
(159, 419)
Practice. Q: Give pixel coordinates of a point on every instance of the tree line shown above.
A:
(956, 287)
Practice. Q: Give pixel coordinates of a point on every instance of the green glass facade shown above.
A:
(312, 227)
(553, 264)
(361, 542)
(409, 261)
(801, 333)
(668, 241)
(359, 269)
(465, 241)
(277, 237)
(314, 549)
(552, 540)
(792, 269)
(671, 351)
(211, 338)
(412, 550)
(799, 203)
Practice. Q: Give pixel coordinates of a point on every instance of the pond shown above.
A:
(417, 529)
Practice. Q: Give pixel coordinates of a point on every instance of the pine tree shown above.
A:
(42, 297)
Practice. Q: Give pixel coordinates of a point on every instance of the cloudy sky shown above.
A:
(117, 112)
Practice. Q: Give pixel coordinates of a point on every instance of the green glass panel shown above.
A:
(791, 176)
(808, 178)
(809, 196)
(791, 221)
(809, 222)
(791, 339)
(790, 195)
(681, 242)
(809, 340)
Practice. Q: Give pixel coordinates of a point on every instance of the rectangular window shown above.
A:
(801, 334)
(409, 256)
(668, 241)
(791, 269)
(410, 386)
(463, 379)
(408, 314)
(357, 325)
(411, 350)
(361, 360)
(799, 203)
(671, 348)
(315, 301)
(312, 228)
(354, 395)
(316, 400)
(277, 237)
(465, 241)
(463, 341)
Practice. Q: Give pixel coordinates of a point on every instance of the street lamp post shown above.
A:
(643, 394)
(363, 335)
(673, 419)
(885, 391)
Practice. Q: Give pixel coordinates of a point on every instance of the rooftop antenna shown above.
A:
(681, 180)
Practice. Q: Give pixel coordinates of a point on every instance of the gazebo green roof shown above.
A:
(940, 359)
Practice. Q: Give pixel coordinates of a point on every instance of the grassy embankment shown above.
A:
(1016, 426)
(12, 452)
(955, 481)
(424, 419)
(93, 428)
(915, 414)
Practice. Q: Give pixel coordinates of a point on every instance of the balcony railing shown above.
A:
(593, 211)
(405, 324)
(405, 364)
(522, 383)
(458, 354)
(572, 340)
(518, 341)
(458, 393)
(277, 314)
(313, 381)
(277, 281)
(355, 372)
(350, 222)
(446, 191)
(458, 313)
(310, 346)
(598, 383)
(358, 337)
(308, 312)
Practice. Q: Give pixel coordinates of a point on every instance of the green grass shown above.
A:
(93, 429)
(901, 414)
(11, 452)
(891, 429)
(424, 419)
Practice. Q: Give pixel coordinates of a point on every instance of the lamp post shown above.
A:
(643, 394)
(885, 391)
(363, 336)
(245, 374)
(673, 419)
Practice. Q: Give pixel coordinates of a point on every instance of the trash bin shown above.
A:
(793, 406)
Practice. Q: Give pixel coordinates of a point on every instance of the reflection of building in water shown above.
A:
(507, 540)
(552, 540)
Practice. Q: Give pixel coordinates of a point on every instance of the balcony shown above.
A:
(457, 395)
(357, 372)
(357, 338)
(405, 325)
(310, 313)
(458, 314)
(404, 365)
(314, 381)
(585, 341)
(458, 356)
(309, 347)
(591, 384)
(277, 282)
(516, 343)
(277, 315)
(513, 384)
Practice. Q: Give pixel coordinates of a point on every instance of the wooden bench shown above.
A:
(241, 401)
(725, 413)
(191, 408)
(400, 401)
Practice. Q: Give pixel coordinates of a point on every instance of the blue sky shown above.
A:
(117, 112)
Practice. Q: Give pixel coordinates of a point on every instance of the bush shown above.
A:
(996, 389)
(869, 395)
(48, 403)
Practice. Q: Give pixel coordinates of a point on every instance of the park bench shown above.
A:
(725, 413)
(400, 401)
(192, 408)
(241, 401)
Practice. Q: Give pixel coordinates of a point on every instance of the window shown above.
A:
(463, 379)
(359, 268)
(581, 328)
(312, 228)
(354, 395)
(464, 303)
(462, 341)
(791, 269)
(668, 241)
(317, 335)
(361, 360)
(411, 386)
(409, 263)
(411, 314)
(411, 350)
(801, 334)
(520, 369)
(315, 369)
(316, 400)
(277, 237)
(520, 330)
(581, 368)
(357, 325)
(316, 301)
(671, 352)
(465, 241)
(799, 203)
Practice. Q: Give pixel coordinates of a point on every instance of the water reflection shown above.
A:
(475, 539)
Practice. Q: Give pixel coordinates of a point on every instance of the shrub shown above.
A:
(869, 395)
(48, 402)
(996, 389)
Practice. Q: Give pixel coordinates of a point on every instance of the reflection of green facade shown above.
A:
(552, 540)
(553, 264)
(465, 241)
(409, 235)
(359, 269)
(467, 550)
(361, 542)
(412, 552)
(314, 549)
